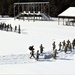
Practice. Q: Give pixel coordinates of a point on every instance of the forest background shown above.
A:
(56, 6)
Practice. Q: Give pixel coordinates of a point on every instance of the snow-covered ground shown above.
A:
(14, 52)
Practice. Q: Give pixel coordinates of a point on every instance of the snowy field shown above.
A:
(14, 52)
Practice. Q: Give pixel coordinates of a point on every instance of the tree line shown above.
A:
(56, 6)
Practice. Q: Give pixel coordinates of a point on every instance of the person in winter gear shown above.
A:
(15, 28)
(54, 53)
(32, 54)
(19, 30)
(63, 44)
(11, 28)
(66, 47)
(54, 46)
(41, 48)
(70, 47)
(37, 55)
(68, 42)
(73, 43)
(60, 46)
(31, 48)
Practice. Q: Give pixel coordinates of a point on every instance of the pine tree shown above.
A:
(56, 6)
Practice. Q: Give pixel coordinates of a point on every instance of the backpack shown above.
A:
(30, 48)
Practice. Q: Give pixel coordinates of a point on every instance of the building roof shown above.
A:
(32, 3)
(68, 13)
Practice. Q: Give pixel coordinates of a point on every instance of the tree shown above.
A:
(10, 10)
(56, 6)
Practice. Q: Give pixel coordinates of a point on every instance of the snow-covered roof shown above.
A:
(69, 13)
(32, 3)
